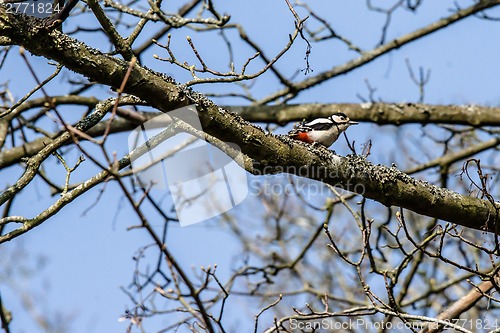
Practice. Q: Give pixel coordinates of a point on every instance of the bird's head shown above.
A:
(341, 120)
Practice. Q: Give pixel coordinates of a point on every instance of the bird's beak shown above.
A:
(353, 122)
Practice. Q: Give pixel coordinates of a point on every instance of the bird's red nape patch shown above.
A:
(302, 136)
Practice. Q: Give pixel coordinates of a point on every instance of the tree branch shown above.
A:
(33, 163)
(460, 306)
(274, 154)
(367, 57)
(380, 113)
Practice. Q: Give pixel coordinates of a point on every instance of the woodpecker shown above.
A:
(324, 131)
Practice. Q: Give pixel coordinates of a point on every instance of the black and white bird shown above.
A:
(324, 131)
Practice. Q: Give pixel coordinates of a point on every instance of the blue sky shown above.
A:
(87, 258)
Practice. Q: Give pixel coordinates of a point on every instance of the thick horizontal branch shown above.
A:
(380, 113)
(273, 154)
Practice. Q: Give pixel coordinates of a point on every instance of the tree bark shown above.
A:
(271, 154)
